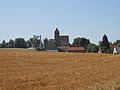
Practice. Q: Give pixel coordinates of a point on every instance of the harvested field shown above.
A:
(32, 70)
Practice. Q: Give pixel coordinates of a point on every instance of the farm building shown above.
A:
(71, 49)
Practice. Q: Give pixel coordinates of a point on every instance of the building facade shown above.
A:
(61, 40)
(57, 41)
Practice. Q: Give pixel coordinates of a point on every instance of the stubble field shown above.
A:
(32, 70)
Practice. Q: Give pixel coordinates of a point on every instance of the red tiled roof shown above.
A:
(72, 48)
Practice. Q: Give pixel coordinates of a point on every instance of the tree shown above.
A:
(33, 42)
(104, 45)
(20, 43)
(10, 44)
(3, 44)
(80, 42)
(105, 42)
(46, 42)
(30, 43)
(118, 44)
(92, 48)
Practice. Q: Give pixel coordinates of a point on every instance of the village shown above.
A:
(61, 43)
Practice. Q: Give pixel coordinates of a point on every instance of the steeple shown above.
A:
(56, 34)
(56, 30)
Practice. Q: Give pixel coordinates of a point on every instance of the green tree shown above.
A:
(78, 42)
(30, 43)
(10, 44)
(118, 44)
(104, 45)
(92, 48)
(46, 42)
(3, 44)
(20, 43)
(117, 41)
(33, 42)
(105, 42)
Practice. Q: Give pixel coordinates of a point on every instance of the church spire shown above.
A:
(57, 31)
(57, 34)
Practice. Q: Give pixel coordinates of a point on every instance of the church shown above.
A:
(60, 43)
(61, 40)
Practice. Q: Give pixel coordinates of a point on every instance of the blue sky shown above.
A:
(76, 18)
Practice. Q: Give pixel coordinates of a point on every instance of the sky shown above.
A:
(77, 18)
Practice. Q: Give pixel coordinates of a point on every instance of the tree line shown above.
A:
(103, 46)
(22, 43)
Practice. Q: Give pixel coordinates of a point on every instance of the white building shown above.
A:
(116, 50)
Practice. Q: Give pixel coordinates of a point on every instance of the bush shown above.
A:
(92, 48)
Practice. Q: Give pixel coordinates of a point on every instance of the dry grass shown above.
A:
(31, 70)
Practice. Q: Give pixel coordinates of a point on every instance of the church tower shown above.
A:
(60, 40)
(57, 34)
(57, 37)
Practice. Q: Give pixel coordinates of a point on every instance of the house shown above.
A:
(116, 50)
(112, 46)
(71, 49)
